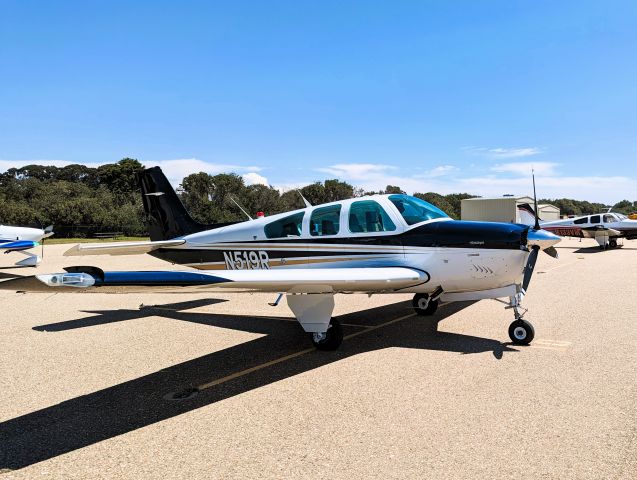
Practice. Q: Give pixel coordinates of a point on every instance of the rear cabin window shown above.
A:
(289, 226)
(368, 216)
(325, 221)
(580, 221)
(595, 219)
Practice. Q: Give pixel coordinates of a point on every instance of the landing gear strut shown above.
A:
(329, 340)
(521, 332)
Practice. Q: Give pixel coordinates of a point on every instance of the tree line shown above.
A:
(82, 201)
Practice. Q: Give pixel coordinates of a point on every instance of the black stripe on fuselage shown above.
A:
(448, 234)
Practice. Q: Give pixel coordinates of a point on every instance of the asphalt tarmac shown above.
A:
(225, 386)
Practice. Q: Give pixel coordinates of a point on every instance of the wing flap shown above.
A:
(119, 248)
(305, 280)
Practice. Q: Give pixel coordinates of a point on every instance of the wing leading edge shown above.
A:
(318, 280)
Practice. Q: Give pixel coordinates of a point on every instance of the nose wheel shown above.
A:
(329, 340)
(521, 332)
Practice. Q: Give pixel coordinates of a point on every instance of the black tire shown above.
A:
(333, 337)
(521, 332)
(419, 300)
(612, 243)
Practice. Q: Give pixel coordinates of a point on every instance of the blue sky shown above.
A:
(433, 96)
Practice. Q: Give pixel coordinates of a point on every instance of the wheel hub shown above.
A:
(319, 336)
(520, 333)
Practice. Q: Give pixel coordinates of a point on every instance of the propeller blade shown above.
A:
(552, 251)
(537, 218)
(530, 265)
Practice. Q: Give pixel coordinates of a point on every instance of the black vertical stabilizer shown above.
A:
(166, 216)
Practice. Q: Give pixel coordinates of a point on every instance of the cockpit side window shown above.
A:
(609, 219)
(289, 226)
(368, 216)
(595, 219)
(325, 221)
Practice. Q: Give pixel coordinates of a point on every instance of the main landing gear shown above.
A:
(521, 332)
(424, 305)
(329, 340)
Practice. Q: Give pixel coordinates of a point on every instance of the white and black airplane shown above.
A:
(375, 244)
(605, 228)
(21, 239)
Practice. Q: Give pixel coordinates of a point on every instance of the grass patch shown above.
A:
(57, 241)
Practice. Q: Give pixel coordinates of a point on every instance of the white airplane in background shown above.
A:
(374, 244)
(21, 239)
(605, 228)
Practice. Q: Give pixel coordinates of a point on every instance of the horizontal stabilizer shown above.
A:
(297, 280)
(119, 248)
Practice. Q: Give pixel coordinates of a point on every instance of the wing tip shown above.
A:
(74, 251)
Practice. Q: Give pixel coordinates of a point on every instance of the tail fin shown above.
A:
(527, 214)
(167, 217)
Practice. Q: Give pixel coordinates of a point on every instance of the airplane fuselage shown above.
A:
(459, 255)
(574, 227)
(8, 233)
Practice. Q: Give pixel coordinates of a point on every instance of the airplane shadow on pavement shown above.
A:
(116, 410)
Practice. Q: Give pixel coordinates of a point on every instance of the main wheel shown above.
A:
(331, 339)
(423, 306)
(612, 243)
(521, 332)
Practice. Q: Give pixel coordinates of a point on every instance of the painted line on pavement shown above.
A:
(285, 358)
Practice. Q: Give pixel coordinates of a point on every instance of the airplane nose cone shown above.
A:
(542, 239)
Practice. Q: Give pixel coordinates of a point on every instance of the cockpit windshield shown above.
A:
(415, 210)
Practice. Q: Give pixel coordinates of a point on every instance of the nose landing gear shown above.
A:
(521, 332)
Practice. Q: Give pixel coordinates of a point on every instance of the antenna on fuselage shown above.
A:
(307, 204)
(241, 208)
(537, 217)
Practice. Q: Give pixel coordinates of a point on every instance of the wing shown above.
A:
(593, 232)
(301, 280)
(119, 248)
(17, 245)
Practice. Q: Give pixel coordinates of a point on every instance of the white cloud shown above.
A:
(512, 177)
(439, 171)
(7, 164)
(525, 168)
(356, 171)
(500, 152)
(176, 169)
(253, 178)
(286, 187)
